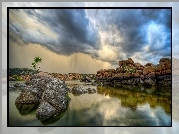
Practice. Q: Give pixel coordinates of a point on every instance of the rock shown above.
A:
(19, 85)
(148, 70)
(118, 76)
(50, 92)
(91, 90)
(149, 82)
(36, 92)
(126, 76)
(131, 61)
(25, 109)
(136, 81)
(168, 71)
(164, 60)
(136, 75)
(129, 82)
(45, 111)
(149, 64)
(151, 75)
(120, 63)
(26, 97)
(78, 90)
(85, 79)
(128, 71)
(57, 98)
(157, 73)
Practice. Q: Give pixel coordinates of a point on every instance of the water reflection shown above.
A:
(53, 119)
(110, 106)
(132, 97)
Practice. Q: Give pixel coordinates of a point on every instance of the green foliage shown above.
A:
(17, 77)
(35, 64)
(132, 70)
(129, 70)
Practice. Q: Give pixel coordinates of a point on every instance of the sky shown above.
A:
(87, 40)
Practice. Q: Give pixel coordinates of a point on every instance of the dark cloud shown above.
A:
(79, 30)
(74, 33)
(138, 29)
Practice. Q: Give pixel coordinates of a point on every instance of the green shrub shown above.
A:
(17, 77)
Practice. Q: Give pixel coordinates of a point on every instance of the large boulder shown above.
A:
(56, 96)
(45, 111)
(51, 93)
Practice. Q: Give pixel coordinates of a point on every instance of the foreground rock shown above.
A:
(50, 93)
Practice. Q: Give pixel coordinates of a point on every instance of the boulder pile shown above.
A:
(131, 73)
(51, 94)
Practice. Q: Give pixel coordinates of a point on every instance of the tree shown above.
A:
(35, 64)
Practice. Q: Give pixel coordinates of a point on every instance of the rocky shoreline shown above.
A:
(24, 74)
(130, 73)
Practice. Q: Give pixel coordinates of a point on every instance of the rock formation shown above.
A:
(50, 93)
(131, 73)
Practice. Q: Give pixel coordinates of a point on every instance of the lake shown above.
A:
(110, 106)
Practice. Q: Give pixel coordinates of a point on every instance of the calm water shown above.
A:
(110, 106)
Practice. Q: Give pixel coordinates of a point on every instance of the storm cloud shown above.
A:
(109, 35)
(140, 30)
